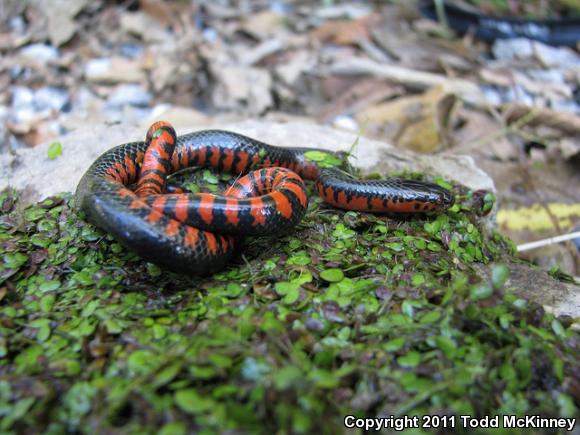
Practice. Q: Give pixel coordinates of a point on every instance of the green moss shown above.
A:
(351, 314)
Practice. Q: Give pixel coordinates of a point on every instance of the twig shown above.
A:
(548, 241)
(408, 77)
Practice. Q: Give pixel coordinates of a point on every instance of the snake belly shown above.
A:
(124, 192)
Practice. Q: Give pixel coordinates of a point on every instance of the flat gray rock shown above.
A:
(30, 170)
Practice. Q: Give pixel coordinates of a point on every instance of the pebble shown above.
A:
(569, 106)
(546, 75)
(40, 52)
(129, 94)
(51, 97)
(131, 50)
(556, 56)
(345, 122)
(510, 49)
(26, 100)
(97, 67)
(17, 25)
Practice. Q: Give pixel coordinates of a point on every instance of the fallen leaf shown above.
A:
(345, 32)
(536, 218)
(420, 123)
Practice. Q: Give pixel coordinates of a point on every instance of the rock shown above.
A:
(141, 25)
(60, 15)
(345, 122)
(30, 169)
(514, 48)
(180, 117)
(569, 148)
(557, 297)
(131, 50)
(61, 29)
(129, 94)
(242, 87)
(30, 106)
(51, 97)
(556, 56)
(114, 70)
(40, 53)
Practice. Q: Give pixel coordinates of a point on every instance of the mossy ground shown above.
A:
(350, 314)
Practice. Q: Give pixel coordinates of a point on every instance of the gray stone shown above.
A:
(513, 48)
(40, 52)
(51, 97)
(556, 56)
(30, 171)
(129, 94)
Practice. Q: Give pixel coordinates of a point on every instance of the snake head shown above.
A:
(446, 199)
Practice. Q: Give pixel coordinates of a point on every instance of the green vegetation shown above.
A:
(350, 314)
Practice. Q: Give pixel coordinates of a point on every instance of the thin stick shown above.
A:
(548, 241)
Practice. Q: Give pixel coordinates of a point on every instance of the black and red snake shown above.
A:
(125, 193)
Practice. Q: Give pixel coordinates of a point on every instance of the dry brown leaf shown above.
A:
(160, 11)
(360, 96)
(419, 123)
(262, 24)
(566, 122)
(345, 32)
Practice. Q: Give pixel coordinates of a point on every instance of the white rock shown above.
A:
(114, 70)
(345, 122)
(40, 52)
(242, 87)
(516, 48)
(51, 97)
(129, 94)
(555, 56)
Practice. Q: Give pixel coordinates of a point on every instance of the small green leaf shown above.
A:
(447, 345)
(499, 275)
(430, 317)
(292, 296)
(395, 344)
(173, 428)
(191, 402)
(284, 287)
(332, 275)
(153, 270)
(141, 361)
(417, 279)
(558, 328)
(286, 377)
(412, 359)
(54, 150)
(14, 261)
(315, 156)
(48, 286)
(481, 291)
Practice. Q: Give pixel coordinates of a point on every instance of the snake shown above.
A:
(127, 192)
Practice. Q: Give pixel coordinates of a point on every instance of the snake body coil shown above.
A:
(196, 233)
